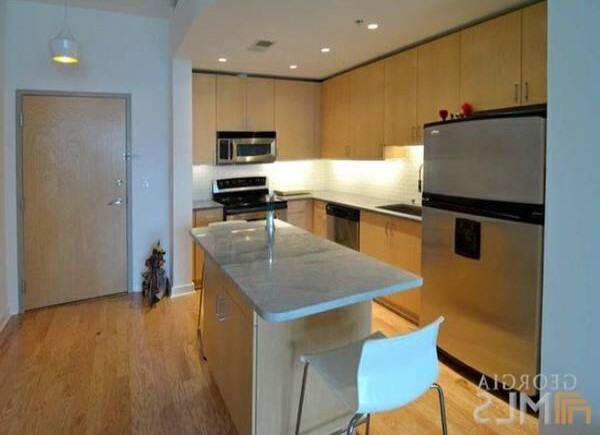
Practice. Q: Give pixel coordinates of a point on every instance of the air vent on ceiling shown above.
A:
(261, 45)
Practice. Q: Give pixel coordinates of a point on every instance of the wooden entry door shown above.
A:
(74, 198)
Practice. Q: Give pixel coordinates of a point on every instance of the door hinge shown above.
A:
(21, 119)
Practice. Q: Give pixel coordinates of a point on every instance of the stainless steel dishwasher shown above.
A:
(343, 225)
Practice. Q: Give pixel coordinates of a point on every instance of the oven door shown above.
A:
(254, 150)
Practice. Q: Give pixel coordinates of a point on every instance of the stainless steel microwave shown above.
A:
(245, 147)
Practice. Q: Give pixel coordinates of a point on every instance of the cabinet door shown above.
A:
(260, 104)
(295, 113)
(438, 79)
(490, 74)
(211, 331)
(237, 363)
(335, 117)
(300, 214)
(401, 99)
(367, 86)
(404, 244)
(231, 103)
(374, 234)
(204, 113)
(535, 25)
(320, 219)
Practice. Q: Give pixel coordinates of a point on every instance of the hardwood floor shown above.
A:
(112, 366)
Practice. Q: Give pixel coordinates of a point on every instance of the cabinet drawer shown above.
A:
(204, 217)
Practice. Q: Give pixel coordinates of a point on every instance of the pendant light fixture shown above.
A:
(64, 48)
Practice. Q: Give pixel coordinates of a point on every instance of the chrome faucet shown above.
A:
(420, 184)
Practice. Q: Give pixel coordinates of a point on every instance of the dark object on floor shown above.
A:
(156, 283)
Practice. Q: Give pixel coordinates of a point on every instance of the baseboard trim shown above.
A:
(183, 289)
(4, 318)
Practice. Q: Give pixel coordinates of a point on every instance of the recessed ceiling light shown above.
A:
(325, 50)
(222, 59)
(293, 66)
(372, 26)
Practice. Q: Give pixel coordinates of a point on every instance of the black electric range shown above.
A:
(247, 198)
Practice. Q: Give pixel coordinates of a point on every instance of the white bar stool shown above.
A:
(379, 374)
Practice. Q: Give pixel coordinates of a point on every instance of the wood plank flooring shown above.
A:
(112, 366)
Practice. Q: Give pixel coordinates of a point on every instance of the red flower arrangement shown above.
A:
(466, 109)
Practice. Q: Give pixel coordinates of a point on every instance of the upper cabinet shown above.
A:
(296, 113)
(335, 118)
(366, 111)
(491, 63)
(231, 103)
(534, 54)
(204, 116)
(400, 114)
(503, 61)
(260, 104)
(438, 79)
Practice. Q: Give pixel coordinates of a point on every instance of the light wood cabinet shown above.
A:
(300, 213)
(228, 330)
(260, 104)
(367, 85)
(438, 80)
(535, 29)
(396, 241)
(231, 103)
(335, 118)
(296, 115)
(319, 218)
(204, 108)
(202, 218)
(401, 99)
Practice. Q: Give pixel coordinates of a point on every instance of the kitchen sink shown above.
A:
(413, 210)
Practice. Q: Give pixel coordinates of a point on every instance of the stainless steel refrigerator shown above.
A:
(483, 217)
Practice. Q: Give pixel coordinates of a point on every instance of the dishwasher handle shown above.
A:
(348, 213)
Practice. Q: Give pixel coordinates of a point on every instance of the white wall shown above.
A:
(182, 176)
(121, 54)
(572, 256)
(3, 293)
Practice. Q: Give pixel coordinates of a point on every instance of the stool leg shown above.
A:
(351, 430)
(301, 403)
(442, 407)
(368, 424)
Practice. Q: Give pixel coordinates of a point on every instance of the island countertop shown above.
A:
(296, 273)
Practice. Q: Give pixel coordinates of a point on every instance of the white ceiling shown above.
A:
(301, 27)
(149, 8)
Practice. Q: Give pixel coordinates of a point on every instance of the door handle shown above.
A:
(116, 202)
(526, 91)
(516, 95)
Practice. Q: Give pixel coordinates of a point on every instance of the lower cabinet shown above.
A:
(396, 241)
(201, 219)
(300, 213)
(228, 330)
(319, 218)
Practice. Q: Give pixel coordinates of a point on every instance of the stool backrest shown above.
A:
(397, 370)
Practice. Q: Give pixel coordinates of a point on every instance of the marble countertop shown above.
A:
(358, 201)
(297, 274)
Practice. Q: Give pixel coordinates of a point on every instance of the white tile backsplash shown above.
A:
(395, 180)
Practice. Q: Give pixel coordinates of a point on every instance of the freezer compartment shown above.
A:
(484, 276)
(500, 159)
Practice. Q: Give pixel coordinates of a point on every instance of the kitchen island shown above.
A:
(268, 299)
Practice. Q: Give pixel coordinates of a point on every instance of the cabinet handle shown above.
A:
(386, 227)
(419, 134)
(347, 148)
(222, 308)
(526, 91)
(516, 95)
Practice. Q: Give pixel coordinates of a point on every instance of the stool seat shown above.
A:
(338, 368)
